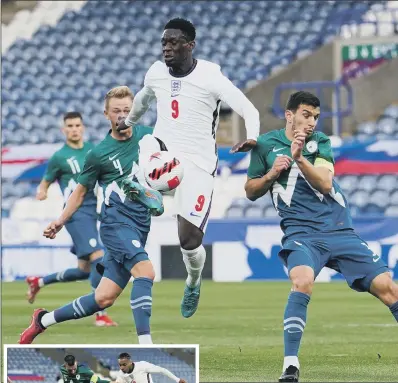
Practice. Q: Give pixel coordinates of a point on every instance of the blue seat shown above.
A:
(89, 50)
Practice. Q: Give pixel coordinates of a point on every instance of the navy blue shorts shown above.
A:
(84, 233)
(125, 247)
(343, 251)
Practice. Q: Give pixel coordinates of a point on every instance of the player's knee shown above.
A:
(84, 265)
(190, 243)
(96, 255)
(104, 300)
(303, 284)
(385, 289)
(143, 269)
(191, 239)
(190, 236)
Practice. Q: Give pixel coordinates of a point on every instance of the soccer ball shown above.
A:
(164, 172)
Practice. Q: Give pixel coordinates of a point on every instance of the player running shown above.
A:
(124, 226)
(189, 92)
(139, 372)
(65, 166)
(296, 164)
(73, 372)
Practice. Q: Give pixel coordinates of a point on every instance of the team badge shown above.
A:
(175, 87)
(77, 376)
(136, 243)
(312, 146)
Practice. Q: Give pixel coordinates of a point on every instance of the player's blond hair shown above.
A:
(118, 92)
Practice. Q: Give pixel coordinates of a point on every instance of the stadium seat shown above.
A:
(234, 212)
(96, 57)
(31, 363)
(76, 58)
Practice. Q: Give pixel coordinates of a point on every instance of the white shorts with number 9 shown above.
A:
(192, 198)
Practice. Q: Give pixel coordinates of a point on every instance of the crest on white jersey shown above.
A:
(175, 87)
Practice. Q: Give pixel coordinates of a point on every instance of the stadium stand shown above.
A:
(27, 364)
(52, 68)
(71, 75)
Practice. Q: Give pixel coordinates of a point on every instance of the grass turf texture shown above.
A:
(238, 327)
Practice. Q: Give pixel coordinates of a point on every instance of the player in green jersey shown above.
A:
(74, 372)
(65, 167)
(124, 225)
(296, 165)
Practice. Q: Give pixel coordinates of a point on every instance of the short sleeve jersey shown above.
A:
(109, 163)
(301, 207)
(65, 166)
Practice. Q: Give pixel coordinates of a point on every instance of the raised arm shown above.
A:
(238, 102)
(319, 175)
(141, 103)
(257, 187)
(153, 369)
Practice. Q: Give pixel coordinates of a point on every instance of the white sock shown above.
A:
(48, 319)
(41, 282)
(194, 262)
(101, 313)
(290, 361)
(145, 339)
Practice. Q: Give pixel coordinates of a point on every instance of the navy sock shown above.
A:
(95, 276)
(394, 310)
(81, 307)
(68, 275)
(294, 321)
(141, 304)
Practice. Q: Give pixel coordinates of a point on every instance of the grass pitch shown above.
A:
(349, 336)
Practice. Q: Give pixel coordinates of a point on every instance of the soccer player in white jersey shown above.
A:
(140, 372)
(189, 92)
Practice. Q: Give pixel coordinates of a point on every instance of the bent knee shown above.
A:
(191, 239)
(190, 243)
(105, 300)
(303, 285)
(302, 282)
(385, 289)
(302, 279)
(143, 269)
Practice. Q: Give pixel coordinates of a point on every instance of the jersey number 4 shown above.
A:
(175, 107)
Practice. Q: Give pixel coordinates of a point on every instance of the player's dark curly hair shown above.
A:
(183, 25)
(70, 360)
(124, 355)
(302, 98)
(69, 115)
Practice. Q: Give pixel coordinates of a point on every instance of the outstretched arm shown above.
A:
(141, 103)
(235, 98)
(152, 369)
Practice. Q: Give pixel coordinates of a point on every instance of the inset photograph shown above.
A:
(101, 364)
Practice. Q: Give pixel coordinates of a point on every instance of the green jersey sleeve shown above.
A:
(142, 131)
(53, 171)
(258, 166)
(325, 148)
(91, 170)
